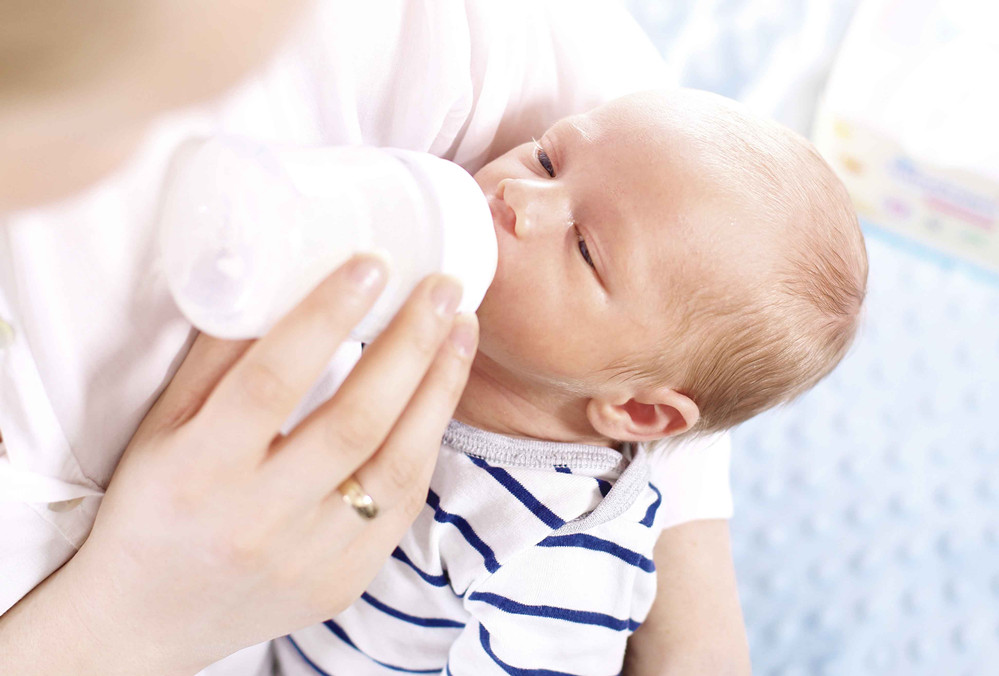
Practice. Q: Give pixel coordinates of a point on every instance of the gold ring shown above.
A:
(353, 494)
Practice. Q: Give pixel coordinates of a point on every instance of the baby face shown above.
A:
(605, 228)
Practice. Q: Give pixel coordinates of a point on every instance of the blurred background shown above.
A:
(866, 528)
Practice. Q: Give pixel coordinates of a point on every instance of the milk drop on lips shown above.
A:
(248, 229)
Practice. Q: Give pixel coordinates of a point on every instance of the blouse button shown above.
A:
(6, 335)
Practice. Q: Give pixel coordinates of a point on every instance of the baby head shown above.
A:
(669, 263)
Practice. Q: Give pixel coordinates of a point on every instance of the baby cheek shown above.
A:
(521, 316)
(511, 324)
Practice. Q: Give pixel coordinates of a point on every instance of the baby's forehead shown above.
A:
(696, 183)
(694, 124)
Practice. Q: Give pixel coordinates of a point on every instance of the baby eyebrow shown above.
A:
(579, 130)
(564, 135)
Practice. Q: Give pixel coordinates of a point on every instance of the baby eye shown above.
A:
(543, 158)
(581, 243)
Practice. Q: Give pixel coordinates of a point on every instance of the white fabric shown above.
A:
(97, 336)
(528, 555)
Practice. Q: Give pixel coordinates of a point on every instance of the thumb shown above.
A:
(208, 359)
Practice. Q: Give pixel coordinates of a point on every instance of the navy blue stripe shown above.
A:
(510, 669)
(650, 515)
(517, 490)
(435, 580)
(596, 544)
(556, 613)
(305, 657)
(492, 565)
(342, 635)
(562, 470)
(604, 487)
(412, 619)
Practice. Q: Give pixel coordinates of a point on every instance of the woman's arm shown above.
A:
(695, 626)
(217, 531)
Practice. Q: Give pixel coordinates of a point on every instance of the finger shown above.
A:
(257, 395)
(400, 471)
(342, 433)
(342, 542)
(420, 427)
(207, 360)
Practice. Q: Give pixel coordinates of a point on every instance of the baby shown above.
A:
(669, 266)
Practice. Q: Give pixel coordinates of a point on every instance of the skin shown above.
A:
(86, 108)
(553, 325)
(624, 187)
(174, 576)
(141, 596)
(695, 625)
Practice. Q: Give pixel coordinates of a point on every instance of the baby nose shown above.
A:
(503, 216)
(536, 206)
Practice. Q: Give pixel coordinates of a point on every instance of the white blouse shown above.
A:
(89, 335)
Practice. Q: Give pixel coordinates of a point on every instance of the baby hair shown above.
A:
(750, 348)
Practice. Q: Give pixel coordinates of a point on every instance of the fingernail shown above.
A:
(464, 335)
(445, 296)
(366, 273)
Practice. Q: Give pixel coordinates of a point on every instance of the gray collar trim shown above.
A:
(531, 453)
(632, 465)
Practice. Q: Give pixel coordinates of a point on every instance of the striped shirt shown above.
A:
(529, 557)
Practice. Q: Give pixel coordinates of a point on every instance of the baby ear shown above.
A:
(643, 417)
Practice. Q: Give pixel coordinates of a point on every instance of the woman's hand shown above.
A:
(217, 532)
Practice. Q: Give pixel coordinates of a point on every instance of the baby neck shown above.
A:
(498, 401)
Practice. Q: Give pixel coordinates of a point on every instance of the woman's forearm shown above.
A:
(695, 626)
(199, 548)
(65, 626)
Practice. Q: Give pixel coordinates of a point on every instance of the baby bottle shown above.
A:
(248, 229)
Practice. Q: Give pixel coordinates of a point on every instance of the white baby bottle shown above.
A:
(248, 229)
